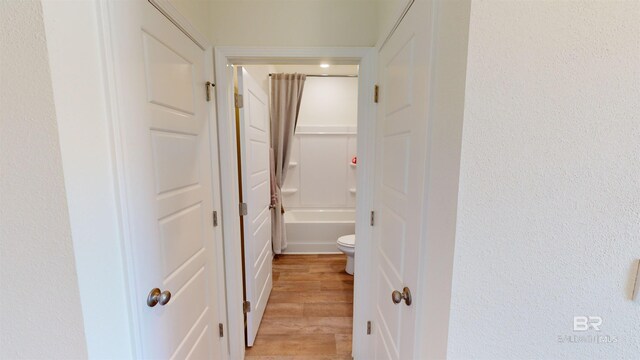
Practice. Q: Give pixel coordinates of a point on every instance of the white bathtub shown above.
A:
(316, 231)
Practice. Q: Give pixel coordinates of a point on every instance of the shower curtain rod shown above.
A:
(347, 76)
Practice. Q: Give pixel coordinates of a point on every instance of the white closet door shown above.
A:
(166, 163)
(401, 153)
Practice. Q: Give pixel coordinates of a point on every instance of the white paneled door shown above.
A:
(165, 163)
(401, 153)
(254, 157)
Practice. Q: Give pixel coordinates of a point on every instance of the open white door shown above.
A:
(401, 153)
(254, 158)
(162, 136)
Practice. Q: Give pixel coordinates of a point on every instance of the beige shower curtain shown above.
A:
(286, 93)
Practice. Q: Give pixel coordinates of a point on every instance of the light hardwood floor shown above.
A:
(310, 311)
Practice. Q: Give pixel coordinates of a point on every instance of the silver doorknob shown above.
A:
(156, 297)
(397, 296)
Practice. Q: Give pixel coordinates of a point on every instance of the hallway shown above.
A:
(310, 310)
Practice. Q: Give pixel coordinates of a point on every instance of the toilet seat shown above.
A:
(347, 240)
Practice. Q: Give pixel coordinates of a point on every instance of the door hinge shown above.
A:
(221, 330)
(368, 327)
(246, 307)
(376, 93)
(208, 85)
(215, 218)
(372, 218)
(243, 209)
(239, 101)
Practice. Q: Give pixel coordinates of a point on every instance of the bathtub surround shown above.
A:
(285, 97)
(321, 174)
(320, 189)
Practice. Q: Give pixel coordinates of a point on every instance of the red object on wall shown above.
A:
(354, 160)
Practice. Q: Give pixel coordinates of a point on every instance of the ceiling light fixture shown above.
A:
(324, 66)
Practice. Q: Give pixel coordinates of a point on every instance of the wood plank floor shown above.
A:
(309, 315)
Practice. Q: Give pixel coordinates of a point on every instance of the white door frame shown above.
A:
(91, 291)
(365, 58)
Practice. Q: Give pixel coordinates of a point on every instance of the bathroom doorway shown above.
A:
(298, 279)
(310, 307)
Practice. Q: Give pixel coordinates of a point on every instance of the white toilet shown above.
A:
(347, 244)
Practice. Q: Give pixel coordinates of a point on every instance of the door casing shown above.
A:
(225, 57)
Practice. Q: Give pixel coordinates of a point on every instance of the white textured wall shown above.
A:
(329, 101)
(548, 223)
(198, 12)
(388, 13)
(284, 22)
(40, 309)
(294, 22)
